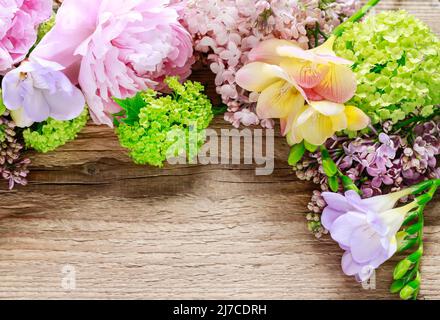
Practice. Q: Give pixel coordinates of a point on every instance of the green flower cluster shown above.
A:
(397, 62)
(155, 127)
(49, 135)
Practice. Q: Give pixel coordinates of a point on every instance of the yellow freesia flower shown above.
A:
(287, 76)
(319, 72)
(279, 94)
(320, 120)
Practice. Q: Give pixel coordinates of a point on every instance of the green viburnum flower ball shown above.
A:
(155, 127)
(397, 63)
(53, 134)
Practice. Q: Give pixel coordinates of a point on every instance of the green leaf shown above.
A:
(407, 244)
(397, 285)
(2, 106)
(310, 147)
(410, 217)
(423, 199)
(413, 229)
(132, 107)
(296, 154)
(414, 257)
(329, 167)
(219, 110)
(333, 183)
(328, 164)
(349, 184)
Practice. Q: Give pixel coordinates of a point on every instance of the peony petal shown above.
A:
(278, 101)
(76, 21)
(306, 74)
(269, 50)
(356, 118)
(257, 76)
(327, 108)
(339, 85)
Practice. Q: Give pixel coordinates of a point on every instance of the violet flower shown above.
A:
(37, 90)
(365, 228)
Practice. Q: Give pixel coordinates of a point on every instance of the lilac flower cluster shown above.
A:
(378, 164)
(225, 31)
(13, 167)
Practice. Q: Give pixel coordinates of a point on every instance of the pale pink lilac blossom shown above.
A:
(225, 32)
(114, 49)
(19, 20)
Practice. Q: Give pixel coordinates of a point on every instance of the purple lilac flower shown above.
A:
(13, 167)
(380, 164)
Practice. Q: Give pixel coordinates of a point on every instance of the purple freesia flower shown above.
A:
(365, 228)
(37, 90)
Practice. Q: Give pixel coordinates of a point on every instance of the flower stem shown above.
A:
(415, 119)
(424, 185)
(339, 30)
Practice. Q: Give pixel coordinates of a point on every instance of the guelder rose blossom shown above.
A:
(117, 48)
(19, 20)
(37, 90)
(365, 228)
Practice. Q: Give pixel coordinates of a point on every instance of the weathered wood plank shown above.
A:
(179, 232)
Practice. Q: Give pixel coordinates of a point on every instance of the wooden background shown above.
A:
(179, 232)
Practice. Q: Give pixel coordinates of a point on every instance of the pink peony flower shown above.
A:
(113, 49)
(19, 20)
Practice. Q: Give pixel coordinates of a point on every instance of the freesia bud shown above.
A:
(409, 290)
(401, 269)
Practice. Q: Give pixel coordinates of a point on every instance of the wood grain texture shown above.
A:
(179, 232)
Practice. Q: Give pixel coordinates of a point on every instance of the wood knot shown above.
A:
(91, 169)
